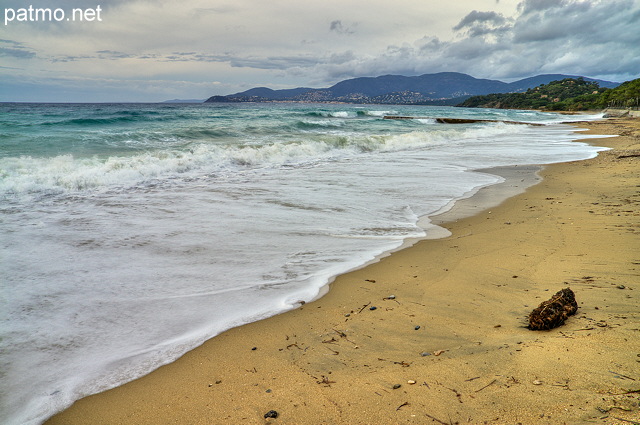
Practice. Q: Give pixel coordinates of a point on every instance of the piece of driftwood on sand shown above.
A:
(553, 312)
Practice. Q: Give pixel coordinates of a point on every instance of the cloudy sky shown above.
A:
(154, 50)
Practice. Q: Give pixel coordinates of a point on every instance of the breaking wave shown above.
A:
(68, 173)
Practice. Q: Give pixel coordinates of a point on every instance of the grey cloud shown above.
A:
(113, 54)
(275, 62)
(479, 24)
(219, 10)
(338, 58)
(594, 22)
(16, 53)
(197, 57)
(100, 54)
(472, 48)
(528, 6)
(72, 4)
(480, 17)
(338, 27)
(70, 58)
(429, 44)
(15, 49)
(594, 38)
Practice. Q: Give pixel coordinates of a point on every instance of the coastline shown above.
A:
(469, 293)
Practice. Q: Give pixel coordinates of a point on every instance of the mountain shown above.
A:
(440, 88)
(275, 94)
(527, 83)
(183, 101)
(433, 86)
(559, 95)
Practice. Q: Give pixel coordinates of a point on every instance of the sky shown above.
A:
(155, 50)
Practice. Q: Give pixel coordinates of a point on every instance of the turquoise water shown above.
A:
(131, 233)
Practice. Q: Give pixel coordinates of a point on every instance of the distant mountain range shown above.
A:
(183, 101)
(444, 88)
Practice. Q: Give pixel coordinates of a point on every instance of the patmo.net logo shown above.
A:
(47, 14)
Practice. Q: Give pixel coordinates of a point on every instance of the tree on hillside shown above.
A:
(626, 95)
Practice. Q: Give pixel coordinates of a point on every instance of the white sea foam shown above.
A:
(66, 173)
(380, 113)
(339, 114)
(426, 120)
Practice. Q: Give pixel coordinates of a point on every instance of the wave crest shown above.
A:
(66, 173)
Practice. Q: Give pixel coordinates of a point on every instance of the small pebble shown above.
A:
(621, 286)
(396, 386)
(425, 354)
(391, 297)
(536, 382)
(271, 414)
(417, 327)
(254, 348)
(411, 382)
(373, 308)
(347, 315)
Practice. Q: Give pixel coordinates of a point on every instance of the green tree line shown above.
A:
(570, 94)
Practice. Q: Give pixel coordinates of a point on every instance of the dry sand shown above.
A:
(452, 346)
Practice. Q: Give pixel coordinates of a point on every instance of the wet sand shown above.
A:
(447, 341)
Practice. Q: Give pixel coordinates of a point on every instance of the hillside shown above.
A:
(440, 88)
(569, 94)
(531, 82)
(626, 95)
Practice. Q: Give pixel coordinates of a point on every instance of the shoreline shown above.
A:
(462, 302)
(516, 179)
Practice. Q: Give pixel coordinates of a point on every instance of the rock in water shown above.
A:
(552, 313)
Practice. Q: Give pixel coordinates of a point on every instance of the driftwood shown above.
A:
(456, 120)
(552, 313)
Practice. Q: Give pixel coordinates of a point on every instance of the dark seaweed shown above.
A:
(553, 313)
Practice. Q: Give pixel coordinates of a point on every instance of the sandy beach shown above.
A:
(436, 333)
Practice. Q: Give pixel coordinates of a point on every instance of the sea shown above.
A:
(132, 233)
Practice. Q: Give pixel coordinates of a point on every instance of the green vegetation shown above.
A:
(570, 94)
(626, 95)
